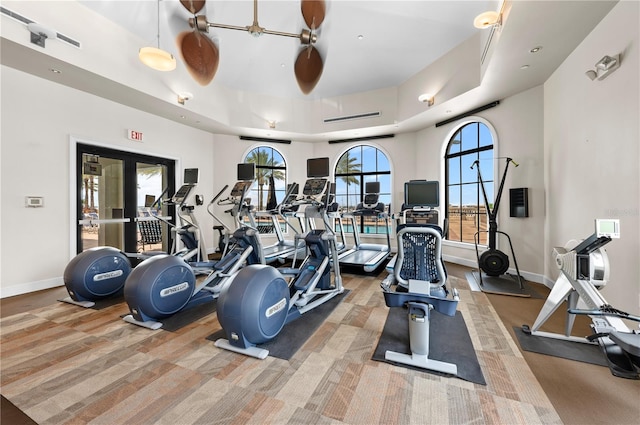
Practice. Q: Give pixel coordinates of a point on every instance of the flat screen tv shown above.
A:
(317, 167)
(421, 193)
(246, 171)
(191, 175)
(372, 187)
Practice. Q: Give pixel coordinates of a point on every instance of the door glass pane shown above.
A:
(102, 195)
(151, 180)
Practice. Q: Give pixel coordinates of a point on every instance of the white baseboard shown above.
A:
(27, 287)
(531, 277)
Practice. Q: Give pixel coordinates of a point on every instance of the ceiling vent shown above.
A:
(27, 21)
(352, 117)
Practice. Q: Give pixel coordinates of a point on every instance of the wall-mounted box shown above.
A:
(34, 201)
(519, 202)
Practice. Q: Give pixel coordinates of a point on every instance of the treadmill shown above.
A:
(367, 256)
(335, 219)
(283, 249)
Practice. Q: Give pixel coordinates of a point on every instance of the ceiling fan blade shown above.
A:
(200, 55)
(313, 12)
(193, 6)
(308, 69)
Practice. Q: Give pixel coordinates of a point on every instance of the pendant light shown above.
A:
(155, 57)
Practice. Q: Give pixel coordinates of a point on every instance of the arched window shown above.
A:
(356, 167)
(466, 210)
(269, 163)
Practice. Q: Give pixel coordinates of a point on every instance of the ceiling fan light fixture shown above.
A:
(157, 59)
(487, 19)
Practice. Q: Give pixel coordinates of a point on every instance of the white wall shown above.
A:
(577, 143)
(591, 151)
(38, 118)
(518, 122)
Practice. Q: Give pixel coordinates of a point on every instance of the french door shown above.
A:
(118, 199)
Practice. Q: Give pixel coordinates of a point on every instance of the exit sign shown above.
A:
(134, 135)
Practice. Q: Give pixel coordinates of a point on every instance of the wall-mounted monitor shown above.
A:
(317, 167)
(421, 193)
(191, 175)
(246, 171)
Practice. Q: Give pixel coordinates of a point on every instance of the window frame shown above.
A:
(445, 185)
(361, 175)
(281, 192)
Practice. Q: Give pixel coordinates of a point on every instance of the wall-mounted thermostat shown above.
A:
(34, 201)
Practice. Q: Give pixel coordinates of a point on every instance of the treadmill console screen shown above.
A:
(314, 187)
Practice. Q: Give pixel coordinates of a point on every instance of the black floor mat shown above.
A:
(501, 285)
(449, 342)
(295, 334)
(586, 353)
(188, 316)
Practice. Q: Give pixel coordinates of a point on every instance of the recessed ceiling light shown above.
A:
(282, 65)
(524, 67)
(448, 111)
(55, 71)
(183, 117)
(360, 36)
(535, 49)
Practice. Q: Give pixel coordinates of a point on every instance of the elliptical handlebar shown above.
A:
(219, 194)
(212, 214)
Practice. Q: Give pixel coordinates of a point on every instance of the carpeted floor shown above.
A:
(64, 364)
(583, 394)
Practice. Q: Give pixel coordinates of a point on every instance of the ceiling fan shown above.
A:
(201, 55)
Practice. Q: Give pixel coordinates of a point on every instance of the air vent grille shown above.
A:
(68, 40)
(352, 117)
(27, 21)
(15, 16)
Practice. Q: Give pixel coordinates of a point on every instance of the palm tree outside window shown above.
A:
(269, 163)
(356, 167)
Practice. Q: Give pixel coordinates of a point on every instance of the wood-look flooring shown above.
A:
(63, 364)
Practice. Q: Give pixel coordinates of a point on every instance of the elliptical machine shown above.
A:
(164, 285)
(584, 269)
(259, 301)
(101, 272)
(494, 262)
